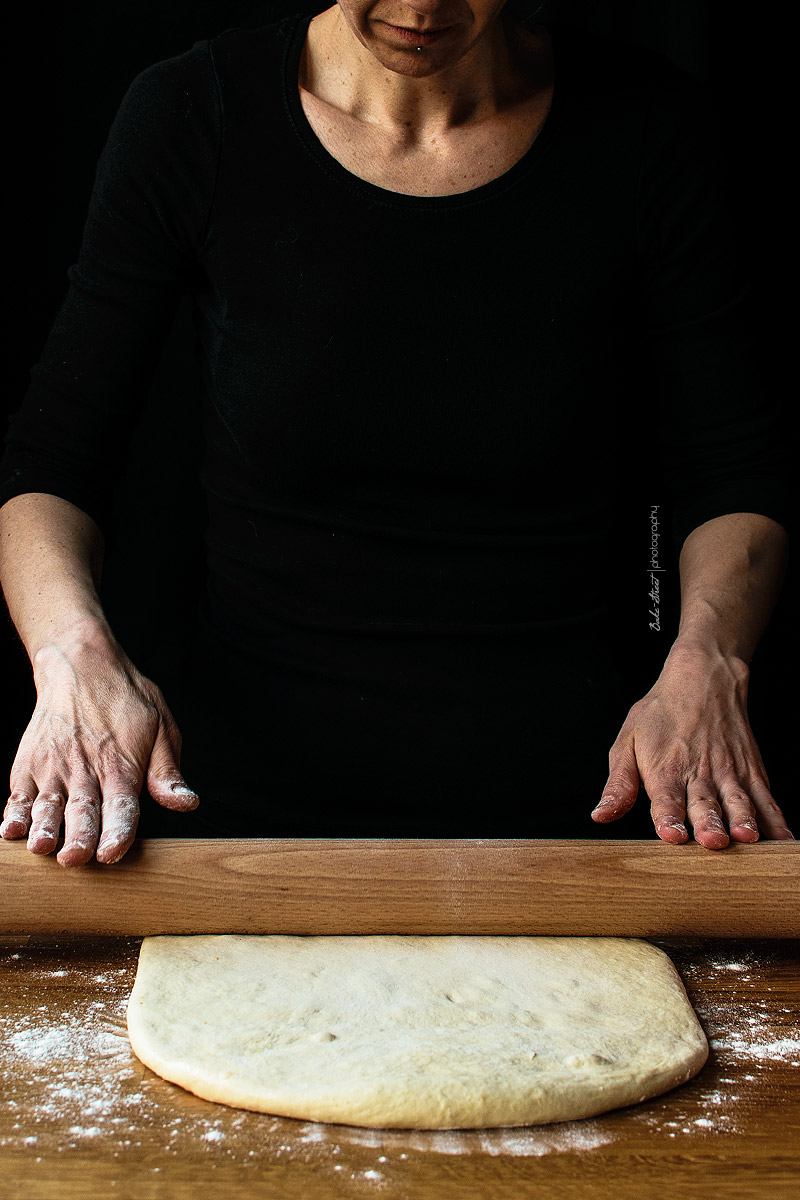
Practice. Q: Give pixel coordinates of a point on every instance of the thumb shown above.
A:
(622, 785)
(164, 781)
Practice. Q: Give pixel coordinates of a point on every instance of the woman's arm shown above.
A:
(689, 741)
(51, 556)
(100, 729)
(731, 572)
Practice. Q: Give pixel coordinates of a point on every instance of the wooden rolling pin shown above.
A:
(359, 886)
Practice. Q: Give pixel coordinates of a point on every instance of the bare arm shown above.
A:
(731, 570)
(100, 728)
(51, 557)
(689, 739)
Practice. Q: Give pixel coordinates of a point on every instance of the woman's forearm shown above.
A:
(100, 730)
(689, 740)
(731, 569)
(50, 564)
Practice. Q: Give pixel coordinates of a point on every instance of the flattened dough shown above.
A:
(444, 1032)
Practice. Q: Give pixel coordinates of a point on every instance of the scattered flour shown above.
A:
(89, 1088)
(738, 1024)
(780, 1050)
(213, 1135)
(525, 1142)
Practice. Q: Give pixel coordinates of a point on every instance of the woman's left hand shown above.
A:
(689, 743)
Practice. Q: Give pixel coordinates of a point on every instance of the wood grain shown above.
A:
(360, 886)
(82, 1118)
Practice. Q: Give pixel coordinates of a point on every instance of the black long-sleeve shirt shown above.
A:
(411, 404)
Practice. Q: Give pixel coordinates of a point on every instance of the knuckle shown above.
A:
(672, 773)
(74, 750)
(737, 798)
(24, 768)
(702, 785)
(83, 802)
(50, 797)
(169, 725)
(120, 771)
(19, 798)
(120, 805)
(725, 763)
(14, 811)
(667, 777)
(701, 804)
(663, 798)
(154, 706)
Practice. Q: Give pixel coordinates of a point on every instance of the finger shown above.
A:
(622, 786)
(119, 816)
(17, 813)
(705, 815)
(164, 781)
(770, 819)
(739, 811)
(46, 814)
(81, 824)
(668, 810)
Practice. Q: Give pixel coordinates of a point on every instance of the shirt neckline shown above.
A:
(383, 196)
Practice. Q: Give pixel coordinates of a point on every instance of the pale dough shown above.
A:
(442, 1032)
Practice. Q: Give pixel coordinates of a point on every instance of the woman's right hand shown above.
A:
(99, 732)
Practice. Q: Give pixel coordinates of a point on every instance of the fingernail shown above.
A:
(115, 857)
(672, 823)
(41, 835)
(13, 830)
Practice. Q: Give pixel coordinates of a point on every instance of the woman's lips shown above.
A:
(415, 37)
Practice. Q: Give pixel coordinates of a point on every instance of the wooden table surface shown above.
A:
(80, 1116)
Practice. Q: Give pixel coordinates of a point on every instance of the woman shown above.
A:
(422, 238)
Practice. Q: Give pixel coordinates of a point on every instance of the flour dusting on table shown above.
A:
(90, 1090)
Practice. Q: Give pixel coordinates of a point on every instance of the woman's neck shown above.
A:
(501, 70)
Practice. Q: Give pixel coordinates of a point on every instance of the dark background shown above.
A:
(68, 68)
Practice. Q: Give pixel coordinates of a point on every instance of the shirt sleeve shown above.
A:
(720, 425)
(145, 228)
